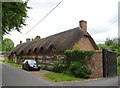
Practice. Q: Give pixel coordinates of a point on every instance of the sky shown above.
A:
(101, 17)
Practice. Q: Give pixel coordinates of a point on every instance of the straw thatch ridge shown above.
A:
(59, 42)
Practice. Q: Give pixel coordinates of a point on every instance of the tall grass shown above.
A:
(118, 67)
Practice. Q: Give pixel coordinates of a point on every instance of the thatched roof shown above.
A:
(59, 42)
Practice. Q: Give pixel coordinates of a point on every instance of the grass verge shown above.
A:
(118, 70)
(59, 77)
(118, 67)
(13, 64)
(1, 60)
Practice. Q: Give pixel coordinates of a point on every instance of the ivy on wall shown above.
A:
(78, 55)
(74, 64)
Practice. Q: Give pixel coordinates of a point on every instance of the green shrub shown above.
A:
(118, 62)
(66, 71)
(50, 69)
(45, 67)
(78, 55)
(57, 67)
(79, 70)
(74, 64)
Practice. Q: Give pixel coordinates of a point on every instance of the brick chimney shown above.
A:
(37, 37)
(20, 42)
(28, 40)
(83, 25)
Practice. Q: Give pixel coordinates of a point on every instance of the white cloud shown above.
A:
(100, 14)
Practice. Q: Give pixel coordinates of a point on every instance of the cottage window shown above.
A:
(48, 57)
(35, 51)
(40, 56)
(41, 49)
(52, 48)
(47, 61)
(39, 61)
(29, 56)
(61, 60)
(29, 51)
(51, 59)
(33, 56)
(24, 56)
(44, 59)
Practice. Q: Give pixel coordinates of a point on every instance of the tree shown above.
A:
(14, 15)
(111, 44)
(102, 46)
(6, 45)
(108, 42)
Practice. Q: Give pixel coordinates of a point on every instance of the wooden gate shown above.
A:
(109, 63)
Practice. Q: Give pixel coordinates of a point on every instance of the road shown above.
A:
(12, 76)
(112, 81)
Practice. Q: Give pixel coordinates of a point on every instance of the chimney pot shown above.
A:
(28, 40)
(37, 37)
(20, 42)
(83, 25)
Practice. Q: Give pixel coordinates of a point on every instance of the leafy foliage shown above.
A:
(74, 69)
(6, 45)
(78, 55)
(118, 68)
(79, 70)
(111, 44)
(14, 15)
(58, 67)
(102, 46)
(75, 62)
(45, 67)
(118, 61)
(74, 65)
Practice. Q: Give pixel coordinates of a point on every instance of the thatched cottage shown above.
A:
(52, 48)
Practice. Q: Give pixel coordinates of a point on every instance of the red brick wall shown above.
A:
(95, 64)
(85, 44)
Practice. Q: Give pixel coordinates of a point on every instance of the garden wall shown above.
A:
(95, 64)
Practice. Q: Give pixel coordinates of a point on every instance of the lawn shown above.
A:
(13, 64)
(59, 77)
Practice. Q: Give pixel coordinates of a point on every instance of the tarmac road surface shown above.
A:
(12, 76)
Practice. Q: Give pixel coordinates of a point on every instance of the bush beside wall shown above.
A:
(74, 64)
(91, 66)
(76, 60)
